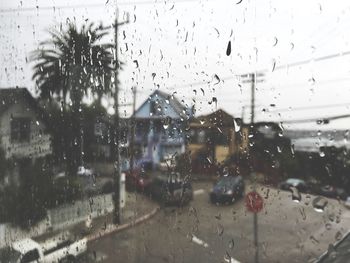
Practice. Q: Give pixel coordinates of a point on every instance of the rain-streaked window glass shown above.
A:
(174, 131)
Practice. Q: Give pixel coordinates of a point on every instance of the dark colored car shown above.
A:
(171, 189)
(227, 189)
(333, 192)
(301, 185)
(138, 180)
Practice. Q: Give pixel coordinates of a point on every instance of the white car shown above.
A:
(85, 171)
(58, 250)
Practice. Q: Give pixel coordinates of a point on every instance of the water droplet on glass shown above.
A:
(220, 229)
(37, 123)
(307, 199)
(279, 149)
(296, 196)
(319, 204)
(338, 236)
(202, 121)
(237, 126)
(322, 154)
(328, 226)
(231, 244)
(228, 50)
(302, 212)
(275, 41)
(228, 258)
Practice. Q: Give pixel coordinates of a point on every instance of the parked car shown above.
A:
(171, 189)
(227, 189)
(347, 202)
(85, 171)
(333, 192)
(58, 250)
(301, 185)
(139, 179)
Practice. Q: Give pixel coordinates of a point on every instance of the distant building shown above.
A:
(23, 128)
(212, 138)
(160, 128)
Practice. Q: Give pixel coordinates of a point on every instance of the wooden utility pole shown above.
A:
(252, 78)
(132, 133)
(116, 145)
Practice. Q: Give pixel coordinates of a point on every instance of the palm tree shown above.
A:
(67, 67)
(73, 62)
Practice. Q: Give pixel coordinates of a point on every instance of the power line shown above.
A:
(26, 9)
(309, 108)
(321, 120)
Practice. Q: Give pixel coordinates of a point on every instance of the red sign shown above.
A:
(254, 202)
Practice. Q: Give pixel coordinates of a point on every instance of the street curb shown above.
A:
(115, 229)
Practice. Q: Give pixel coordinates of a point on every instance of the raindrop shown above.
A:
(209, 160)
(202, 91)
(328, 226)
(220, 229)
(237, 126)
(276, 41)
(292, 149)
(307, 199)
(216, 77)
(279, 149)
(302, 212)
(37, 123)
(153, 75)
(217, 31)
(231, 244)
(218, 217)
(228, 50)
(165, 126)
(296, 196)
(202, 121)
(228, 258)
(312, 80)
(291, 46)
(136, 63)
(273, 65)
(338, 236)
(322, 154)
(240, 1)
(319, 204)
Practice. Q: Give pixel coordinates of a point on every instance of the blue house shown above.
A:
(160, 128)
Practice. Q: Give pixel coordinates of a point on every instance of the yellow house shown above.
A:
(213, 137)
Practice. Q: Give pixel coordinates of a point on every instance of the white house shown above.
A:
(160, 127)
(23, 130)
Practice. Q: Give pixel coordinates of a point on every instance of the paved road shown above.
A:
(203, 232)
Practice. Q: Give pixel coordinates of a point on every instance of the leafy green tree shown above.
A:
(69, 66)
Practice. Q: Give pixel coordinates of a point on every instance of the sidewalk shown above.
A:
(138, 208)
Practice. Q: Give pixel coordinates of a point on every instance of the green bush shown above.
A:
(26, 203)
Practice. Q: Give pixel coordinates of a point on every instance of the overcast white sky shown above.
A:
(185, 42)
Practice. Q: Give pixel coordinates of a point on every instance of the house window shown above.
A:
(155, 108)
(201, 136)
(20, 130)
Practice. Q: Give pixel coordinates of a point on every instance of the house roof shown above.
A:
(178, 107)
(11, 96)
(219, 118)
